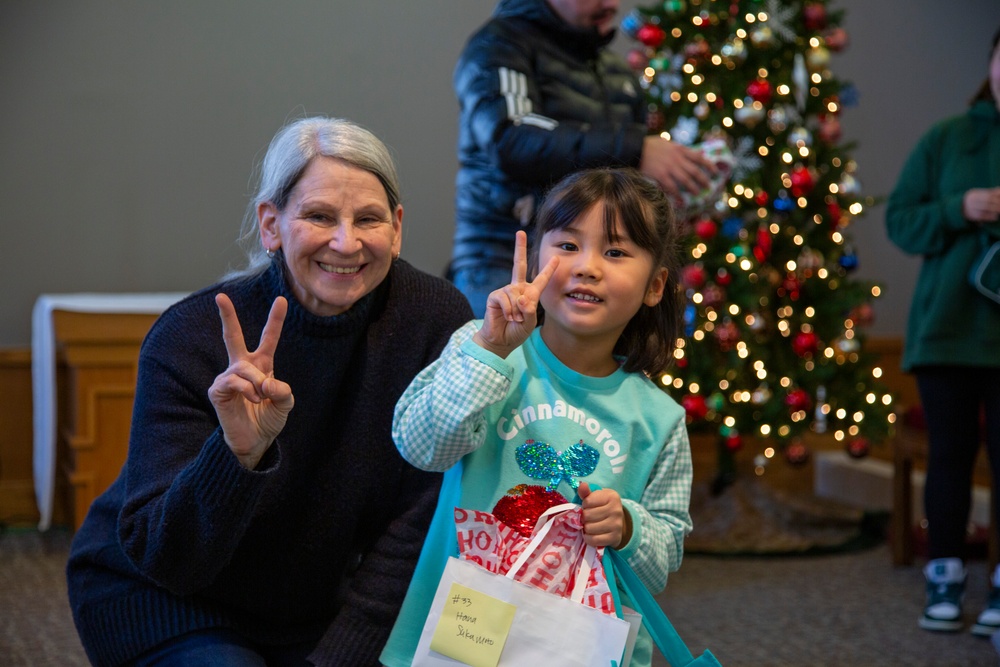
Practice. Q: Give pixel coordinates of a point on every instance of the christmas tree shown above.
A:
(774, 341)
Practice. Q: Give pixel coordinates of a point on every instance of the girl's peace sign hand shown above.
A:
(251, 404)
(512, 311)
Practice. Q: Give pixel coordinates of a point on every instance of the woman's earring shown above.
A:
(270, 253)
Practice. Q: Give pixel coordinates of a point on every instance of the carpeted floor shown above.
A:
(850, 609)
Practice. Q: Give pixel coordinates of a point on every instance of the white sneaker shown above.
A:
(945, 591)
(988, 621)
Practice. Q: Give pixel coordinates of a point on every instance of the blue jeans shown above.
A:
(476, 283)
(219, 647)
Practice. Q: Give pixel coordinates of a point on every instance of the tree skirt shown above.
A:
(752, 517)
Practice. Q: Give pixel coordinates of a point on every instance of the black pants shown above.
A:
(958, 402)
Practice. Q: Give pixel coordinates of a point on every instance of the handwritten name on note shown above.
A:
(473, 627)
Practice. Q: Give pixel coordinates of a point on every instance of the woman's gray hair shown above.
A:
(288, 155)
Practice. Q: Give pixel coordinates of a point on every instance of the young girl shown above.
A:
(578, 383)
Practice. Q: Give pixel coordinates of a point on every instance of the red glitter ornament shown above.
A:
(695, 406)
(762, 249)
(805, 343)
(790, 287)
(712, 295)
(698, 49)
(863, 315)
(814, 16)
(637, 59)
(802, 181)
(523, 504)
(859, 448)
(728, 335)
(761, 198)
(760, 90)
(836, 39)
(829, 128)
(833, 208)
(651, 35)
(798, 399)
(705, 228)
(693, 276)
(797, 453)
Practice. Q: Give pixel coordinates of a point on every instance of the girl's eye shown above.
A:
(616, 252)
(567, 246)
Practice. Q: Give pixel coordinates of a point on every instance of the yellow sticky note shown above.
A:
(473, 627)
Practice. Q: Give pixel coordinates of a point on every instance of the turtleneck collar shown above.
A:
(275, 283)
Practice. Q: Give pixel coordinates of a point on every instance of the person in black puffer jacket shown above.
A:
(541, 96)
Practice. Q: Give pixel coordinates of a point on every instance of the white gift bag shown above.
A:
(546, 629)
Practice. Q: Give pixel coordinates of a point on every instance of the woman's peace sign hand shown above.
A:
(251, 404)
(512, 311)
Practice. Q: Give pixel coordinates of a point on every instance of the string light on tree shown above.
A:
(775, 318)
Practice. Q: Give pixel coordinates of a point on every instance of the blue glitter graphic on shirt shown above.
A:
(540, 460)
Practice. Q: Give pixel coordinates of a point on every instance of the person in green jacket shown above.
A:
(946, 208)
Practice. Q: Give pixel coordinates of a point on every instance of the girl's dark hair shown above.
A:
(985, 93)
(635, 206)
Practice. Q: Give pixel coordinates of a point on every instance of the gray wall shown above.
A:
(130, 129)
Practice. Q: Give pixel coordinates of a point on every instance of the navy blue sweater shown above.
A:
(322, 536)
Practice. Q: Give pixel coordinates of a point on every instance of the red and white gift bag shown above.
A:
(560, 562)
(562, 610)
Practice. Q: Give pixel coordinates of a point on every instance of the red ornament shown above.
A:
(637, 59)
(802, 181)
(651, 35)
(833, 208)
(723, 277)
(798, 399)
(805, 343)
(863, 315)
(761, 198)
(733, 441)
(762, 249)
(713, 295)
(698, 49)
(728, 334)
(760, 90)
(705, 228)
(836, 39)
(829, 128)
(859, 448)
(693, 276)
(695, 406)
(523, 504)
(814, 16)
(790, 287)
(797, 453)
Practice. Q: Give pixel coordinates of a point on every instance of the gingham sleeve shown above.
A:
(661, 520)
(439, 418)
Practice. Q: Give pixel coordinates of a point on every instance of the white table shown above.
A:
(43, 373)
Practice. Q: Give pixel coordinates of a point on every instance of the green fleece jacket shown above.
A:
(950, 323)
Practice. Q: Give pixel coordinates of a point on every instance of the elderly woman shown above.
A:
(263, 513)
